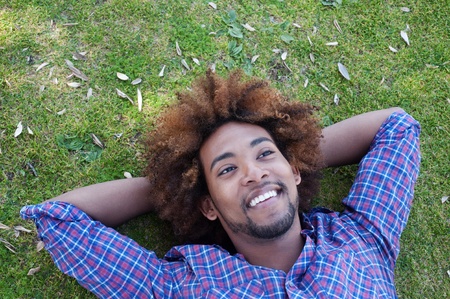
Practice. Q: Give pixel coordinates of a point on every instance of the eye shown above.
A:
(265, 154)
(227, 170)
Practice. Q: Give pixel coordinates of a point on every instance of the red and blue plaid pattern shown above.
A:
(346, 255)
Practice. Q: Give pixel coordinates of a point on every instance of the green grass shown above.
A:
(138, 37)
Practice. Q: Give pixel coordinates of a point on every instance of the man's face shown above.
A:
(252, 186)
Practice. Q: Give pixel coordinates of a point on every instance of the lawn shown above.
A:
(297, 45)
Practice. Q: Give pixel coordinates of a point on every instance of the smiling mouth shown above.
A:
(262, 198)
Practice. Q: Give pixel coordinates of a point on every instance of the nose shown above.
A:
(253, 173)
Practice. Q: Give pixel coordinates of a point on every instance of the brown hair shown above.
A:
(173, 146)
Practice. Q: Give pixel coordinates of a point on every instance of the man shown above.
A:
(236, 157)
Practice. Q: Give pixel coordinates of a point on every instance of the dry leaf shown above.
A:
(161, 73)
(122, 76)
(336, 24)
(21, 229)
(184, 63)
(448, 272)
(248, 27)
(324, 86)
(139, 97)
(41, 88)
(127, 175)
(311, 56)
(7, 83)
(79, 56)
(61, 112)
(286, 66)
(55, 81)
(74, 84)
(213, 5)
(33, 170)
(50, 72)
(382, 81)
(178, 48)
(8, 245)
(296, 25)
(430, 66)
(18, 129)
(41, 66)
(39, 246)
(34, 270)
(212, 67)
(310, 42)
(393, 49)
(2, 226)
(343, 71)
(404, 35)
(196, 61)
(136, 81)
(89, 93)
(254, 58)
(70, 24)
(306, 83)
(69, 63)
(123, 95)
(76, 72)
(97, 141)
(405, 9)
(332, 44)
(444, 199)
(336, 99)
(284, 56)
(29, 131)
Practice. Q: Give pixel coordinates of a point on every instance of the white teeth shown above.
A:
(262, 198)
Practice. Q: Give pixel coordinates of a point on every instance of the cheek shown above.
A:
(221, 191)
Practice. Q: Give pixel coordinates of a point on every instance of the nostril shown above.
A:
(255, 173)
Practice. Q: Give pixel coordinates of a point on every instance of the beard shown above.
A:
(270, 231)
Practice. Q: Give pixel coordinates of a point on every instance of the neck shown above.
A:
(280, 253)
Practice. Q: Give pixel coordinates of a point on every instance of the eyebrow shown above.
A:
(227, 155)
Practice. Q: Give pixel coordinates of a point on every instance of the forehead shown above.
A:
(231, 136)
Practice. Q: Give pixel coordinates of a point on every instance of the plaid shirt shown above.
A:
(346, 255)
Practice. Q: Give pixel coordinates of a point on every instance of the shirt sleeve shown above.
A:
(381, 196)
(102, 260)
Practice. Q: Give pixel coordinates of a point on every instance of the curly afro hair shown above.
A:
(173, 147)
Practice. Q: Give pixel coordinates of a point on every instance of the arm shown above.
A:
(114, 202)
(102, 260)
(380, 198)
(346, 142)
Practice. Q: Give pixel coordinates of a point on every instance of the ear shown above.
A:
(207, 208)
(297, 176)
